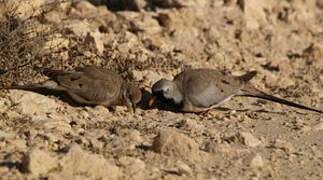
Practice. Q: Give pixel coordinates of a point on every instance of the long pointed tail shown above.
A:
(251, 91)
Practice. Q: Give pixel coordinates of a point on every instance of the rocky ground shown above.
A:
(43, 136)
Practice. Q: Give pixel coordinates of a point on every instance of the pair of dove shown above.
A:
(193, 90)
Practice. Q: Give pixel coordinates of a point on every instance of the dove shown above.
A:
(199, 90)
(91, 86)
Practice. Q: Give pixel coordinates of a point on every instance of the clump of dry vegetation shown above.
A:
(22, 40)
(24, 45)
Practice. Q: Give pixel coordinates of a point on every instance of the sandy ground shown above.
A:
(43, 136)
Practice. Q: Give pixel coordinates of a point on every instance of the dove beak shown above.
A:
(152, 101)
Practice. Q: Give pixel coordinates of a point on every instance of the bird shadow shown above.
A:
(146, 96)
(51, 92)
(143, 104)
(259, 110)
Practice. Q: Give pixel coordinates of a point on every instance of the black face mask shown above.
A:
(165, 103)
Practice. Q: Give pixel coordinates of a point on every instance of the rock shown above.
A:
(138, 4)
(20, 144)
(179, 168)
(55, 16)
(58, 125)
(134, 135)
(88, 31)
(131, 138)
(314, 52)
(39, 162)
(254, 12)
(257, 161)
(283, 145)
(85, 8)
(148, 76)
(134, 167)
(248, 139)
(171, 143)
(141, 22)
(78, 163)
(5, 135)
(131, 43)
(5, 104)
(192, 125)
(318, 126)
(32, 104)
(183, 168)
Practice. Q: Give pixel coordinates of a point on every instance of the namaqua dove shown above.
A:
(91, 86)
(199, 90)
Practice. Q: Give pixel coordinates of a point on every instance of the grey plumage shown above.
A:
(198, 90)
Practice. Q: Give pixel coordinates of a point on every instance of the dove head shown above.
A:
(132, 95)
(167, 91)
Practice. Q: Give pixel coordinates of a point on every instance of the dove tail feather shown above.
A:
(250, 91)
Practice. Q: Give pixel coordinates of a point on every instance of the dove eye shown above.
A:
(166, 90)
(80, 85)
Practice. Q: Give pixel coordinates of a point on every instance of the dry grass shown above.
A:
(21, 41)
(22, 44)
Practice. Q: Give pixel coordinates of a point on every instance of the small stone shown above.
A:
(58, 125)
(4, 104)
(184, 168)
(142, 22)
(134, 167)
(19, 144)
(172, 143)
(254, 12)
(85, 8)
(33, 104)
(130, 161)
(6, 135)
(39, 162)
(283, 145)
(134, 135)
(78, 162)
(88, 31)
(257, 161)
(130, 139)
(249, 140)
(318, 126)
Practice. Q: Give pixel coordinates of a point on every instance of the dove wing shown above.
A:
(92, 84)
(205, 87)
